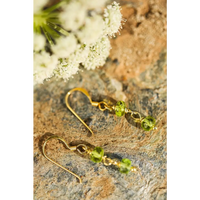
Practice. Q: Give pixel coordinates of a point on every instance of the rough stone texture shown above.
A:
(142, 38)
(143, 88)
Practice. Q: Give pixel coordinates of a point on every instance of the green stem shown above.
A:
(58, 28)
(54, 7)
(48, 36)
(38, 20)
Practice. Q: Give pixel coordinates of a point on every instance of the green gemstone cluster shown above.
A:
(120, 108)
(148, 123)
(125, 166)
(97, 154)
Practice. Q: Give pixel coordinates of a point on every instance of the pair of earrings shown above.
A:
(96, 154)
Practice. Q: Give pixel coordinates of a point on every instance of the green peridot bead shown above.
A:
(148, 123)
(97, 154)
(120, 108)
(125, 166)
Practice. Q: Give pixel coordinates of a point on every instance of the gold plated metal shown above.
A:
(73, 148)
(69, 107)
(84, 149)
(136, 116)
(138, 119)
(102, 105)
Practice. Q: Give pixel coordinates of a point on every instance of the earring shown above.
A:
(95, 154)
(120, 109)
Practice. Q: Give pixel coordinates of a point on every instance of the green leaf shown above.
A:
(48, 36)
(53, 20)
(51, 31)
(58, 28)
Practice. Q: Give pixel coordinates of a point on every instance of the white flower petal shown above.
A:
(44, 64)
(65, 46)
(73, 15)
(113, 18)
(94, 4)
(92, 30)
(39, 42)
(98, 53)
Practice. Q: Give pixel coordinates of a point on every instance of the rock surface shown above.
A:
(143, 88)
(142, 38)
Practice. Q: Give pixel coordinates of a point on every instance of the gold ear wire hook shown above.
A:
(92, 102)
(73, 148)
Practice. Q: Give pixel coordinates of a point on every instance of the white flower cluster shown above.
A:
(113, 18)
(65, 46)
(44, 65)
(73, 15)
(82, 38)
(39, 42)
(92, 30)
(97, 53)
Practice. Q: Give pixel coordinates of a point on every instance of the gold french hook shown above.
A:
(72, 148)
(92, 102)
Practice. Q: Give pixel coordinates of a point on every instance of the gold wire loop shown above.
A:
(136, 119)
(135, 113)
(73, 148)
(107, 161)
(102, 106)
(84, 148)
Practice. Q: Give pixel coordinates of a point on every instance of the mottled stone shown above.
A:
(142, 39)
(119, 137)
